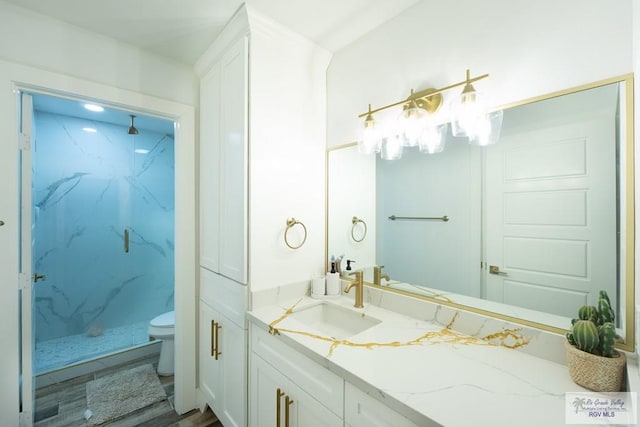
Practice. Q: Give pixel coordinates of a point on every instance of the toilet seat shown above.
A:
(162, 326)
(164, 320)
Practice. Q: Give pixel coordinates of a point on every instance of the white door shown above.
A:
(26, 267)
(550, 216)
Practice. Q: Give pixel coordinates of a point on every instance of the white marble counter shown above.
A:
(430, 373)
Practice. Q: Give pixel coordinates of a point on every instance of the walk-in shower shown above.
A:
(102, 227)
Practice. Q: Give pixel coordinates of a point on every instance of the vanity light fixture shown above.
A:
(420, 125)
(371, 138)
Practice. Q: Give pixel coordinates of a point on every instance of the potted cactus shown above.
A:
(592, 360)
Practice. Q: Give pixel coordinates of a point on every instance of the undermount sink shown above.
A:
(333, 320)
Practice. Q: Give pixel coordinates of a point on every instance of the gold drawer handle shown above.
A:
(279, 394)
(287, 402)
(215, 331)
(213, 341)
(218, 352)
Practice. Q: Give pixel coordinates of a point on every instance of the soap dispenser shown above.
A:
(333, 281)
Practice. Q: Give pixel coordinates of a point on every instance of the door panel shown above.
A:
(550, 216)
(233, 165)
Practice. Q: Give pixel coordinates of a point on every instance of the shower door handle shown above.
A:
(126, 240)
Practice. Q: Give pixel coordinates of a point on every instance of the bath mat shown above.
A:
(117, 395)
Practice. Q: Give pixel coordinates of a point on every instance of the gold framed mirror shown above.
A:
(536, 224)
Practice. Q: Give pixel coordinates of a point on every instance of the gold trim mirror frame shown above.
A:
(626, 245)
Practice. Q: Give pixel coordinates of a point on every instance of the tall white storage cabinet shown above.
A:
(222, 335)
(223, 164)
(262, 127)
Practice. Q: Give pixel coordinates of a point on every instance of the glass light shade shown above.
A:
(432, 139)
(411, 124)
(370, 138)
(488, 130)
(391, 148)
(468, 114)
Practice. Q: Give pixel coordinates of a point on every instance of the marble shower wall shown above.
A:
(87, 188)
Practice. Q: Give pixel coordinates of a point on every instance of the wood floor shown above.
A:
(64, 404)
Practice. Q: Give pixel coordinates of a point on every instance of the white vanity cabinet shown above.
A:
(223, 163)
(274, 395)
(222, 349)
(288, 389)
(287, 386)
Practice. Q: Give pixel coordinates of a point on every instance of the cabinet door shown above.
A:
(233, 349)
(209, 168)
(222, 366)
(264, 385)
(276, 401)
(210, 368)
(223, 164)
(233, 162)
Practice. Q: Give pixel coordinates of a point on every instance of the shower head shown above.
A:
(132, 128)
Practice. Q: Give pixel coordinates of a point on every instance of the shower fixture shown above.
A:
(132, 128)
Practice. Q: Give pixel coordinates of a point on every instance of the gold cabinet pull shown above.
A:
(287, 402)
(279, 394)
(213, 331)
(218, 352)
(126, 240)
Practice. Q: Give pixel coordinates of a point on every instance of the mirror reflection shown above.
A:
(531, 227)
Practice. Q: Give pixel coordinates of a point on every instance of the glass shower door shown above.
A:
(82, 211)
(103, 226)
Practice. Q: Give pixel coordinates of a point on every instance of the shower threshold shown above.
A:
(56, 354)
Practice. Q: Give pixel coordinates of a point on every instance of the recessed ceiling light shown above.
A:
(90, 130)
(93, 107)
(140, 151)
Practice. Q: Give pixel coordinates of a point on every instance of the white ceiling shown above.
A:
(183, 29)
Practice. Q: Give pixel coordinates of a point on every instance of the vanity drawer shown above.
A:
(362, 410)
(319, 382)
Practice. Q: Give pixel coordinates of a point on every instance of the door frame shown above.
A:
(37, 81)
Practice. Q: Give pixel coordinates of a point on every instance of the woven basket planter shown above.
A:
(594, 372)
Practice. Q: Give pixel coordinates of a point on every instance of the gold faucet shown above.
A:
(359, 285)
(378, 276)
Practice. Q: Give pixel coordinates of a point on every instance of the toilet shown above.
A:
(162, 328)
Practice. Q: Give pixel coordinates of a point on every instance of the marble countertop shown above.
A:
(430, 373)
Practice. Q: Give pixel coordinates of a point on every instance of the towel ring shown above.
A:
(291, 222)
(355, 220)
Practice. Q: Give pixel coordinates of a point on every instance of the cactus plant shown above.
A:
(594, 330)
(588, 312)
(607, 339)
(605, 312)
(585, 335)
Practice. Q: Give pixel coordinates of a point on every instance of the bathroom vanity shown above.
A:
(326, 363)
